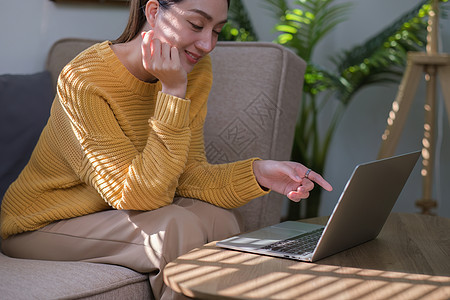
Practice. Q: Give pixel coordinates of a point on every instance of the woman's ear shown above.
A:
(151, 10)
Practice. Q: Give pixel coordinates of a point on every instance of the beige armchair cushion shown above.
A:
(252, 111)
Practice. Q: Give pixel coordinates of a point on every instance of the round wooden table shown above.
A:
(410, 259)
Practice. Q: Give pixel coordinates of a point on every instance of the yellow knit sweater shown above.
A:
(113, 141)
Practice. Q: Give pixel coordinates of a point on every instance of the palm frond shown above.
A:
(358, 54)
(380, 59)
(239, 26)
(277, 7)
(326, 19)
(302, 27)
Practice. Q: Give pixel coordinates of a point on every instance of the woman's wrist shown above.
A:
(257, 173)
(179, 92)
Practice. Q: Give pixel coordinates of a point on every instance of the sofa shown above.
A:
(252, 111)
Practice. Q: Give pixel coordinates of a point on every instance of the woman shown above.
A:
(126, 132)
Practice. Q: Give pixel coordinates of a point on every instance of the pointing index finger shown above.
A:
(320, 181)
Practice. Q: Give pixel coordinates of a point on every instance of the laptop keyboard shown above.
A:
(303, 244)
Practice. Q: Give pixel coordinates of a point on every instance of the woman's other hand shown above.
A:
(288, 178)
(163, 61)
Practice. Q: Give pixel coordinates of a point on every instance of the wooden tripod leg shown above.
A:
(400, 109)
(426, 203)
(444, 77)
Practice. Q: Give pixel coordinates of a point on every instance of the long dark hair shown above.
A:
(137, 18)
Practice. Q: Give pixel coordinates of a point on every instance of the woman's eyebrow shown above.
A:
(206, 15)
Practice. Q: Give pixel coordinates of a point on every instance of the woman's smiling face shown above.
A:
(192, 26)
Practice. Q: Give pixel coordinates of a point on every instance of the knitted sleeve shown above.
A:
(123, 176)
(226, 185)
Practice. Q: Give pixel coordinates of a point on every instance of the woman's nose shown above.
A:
(206, 43)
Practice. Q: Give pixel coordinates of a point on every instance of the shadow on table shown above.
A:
(210, 271)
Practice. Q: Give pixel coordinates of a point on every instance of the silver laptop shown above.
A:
(358, 217)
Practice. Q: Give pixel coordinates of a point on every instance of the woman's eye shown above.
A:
(218, 30)
(195, 26)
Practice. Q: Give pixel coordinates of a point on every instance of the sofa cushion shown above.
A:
(25, 102)
(34, 279)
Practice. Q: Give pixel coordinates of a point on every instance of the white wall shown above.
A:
(28, 30)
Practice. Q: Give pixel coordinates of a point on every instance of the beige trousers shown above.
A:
(144, 241)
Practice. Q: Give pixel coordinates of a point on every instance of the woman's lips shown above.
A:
(192, 58)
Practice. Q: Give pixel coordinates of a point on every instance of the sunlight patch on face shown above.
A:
(170, 26)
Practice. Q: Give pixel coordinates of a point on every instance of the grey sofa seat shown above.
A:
(34, 279)
(252, 112)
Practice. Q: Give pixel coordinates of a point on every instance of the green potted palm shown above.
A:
(378, 60)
